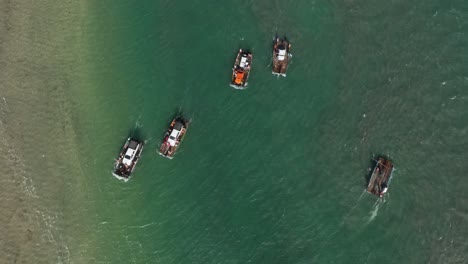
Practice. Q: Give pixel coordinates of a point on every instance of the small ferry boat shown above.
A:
(173, 137)
(241, 70)
(128, 159)
(281, 56)
(380, 178)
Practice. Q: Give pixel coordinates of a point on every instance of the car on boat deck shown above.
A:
(281, 55)
(175, 134)
(128, 158)
(173, 137)
(241, 69)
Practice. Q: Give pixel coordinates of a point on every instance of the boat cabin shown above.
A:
(243, 62)
(281, 52)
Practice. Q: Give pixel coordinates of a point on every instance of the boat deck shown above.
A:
(380, 178)
(280, 67)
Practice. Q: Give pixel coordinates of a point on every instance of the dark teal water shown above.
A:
(275, 173)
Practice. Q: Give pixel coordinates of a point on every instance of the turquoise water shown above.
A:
(230, 193)
(275, 173)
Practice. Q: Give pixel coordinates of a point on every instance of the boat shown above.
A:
(173, 137)
(281, 56)
(381, 176)
(241, 70)
(128, 159)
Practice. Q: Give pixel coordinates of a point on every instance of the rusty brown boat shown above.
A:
(281, 56)
(381, 176)
(173, 137)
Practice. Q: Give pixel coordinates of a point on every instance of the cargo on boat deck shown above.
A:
(380, 178)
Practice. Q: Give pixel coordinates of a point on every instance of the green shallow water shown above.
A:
(275, 173)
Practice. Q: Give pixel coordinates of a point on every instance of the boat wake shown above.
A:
(138, 124)
(359, 199)
(349, 215)
(142, 226)
(375, 209)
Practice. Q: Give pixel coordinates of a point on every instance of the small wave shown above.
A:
(375, 210)
(143, 226)
(5, 105)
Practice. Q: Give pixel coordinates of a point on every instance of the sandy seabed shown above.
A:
(36, 131)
